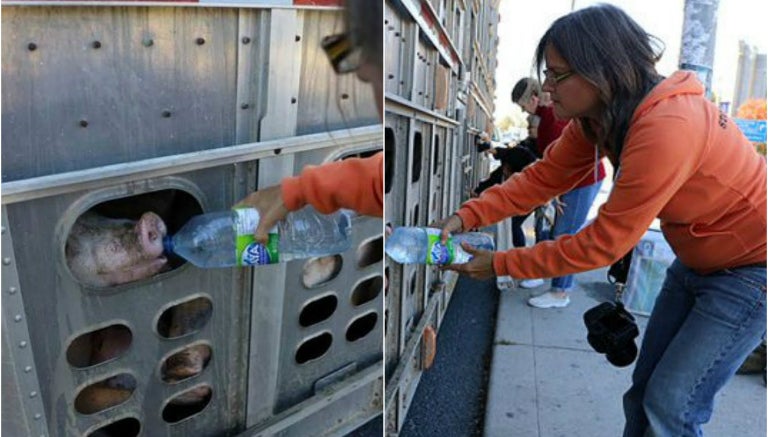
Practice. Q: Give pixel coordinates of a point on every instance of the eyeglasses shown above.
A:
(343, 55)
(557, 78)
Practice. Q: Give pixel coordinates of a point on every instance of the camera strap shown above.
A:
(618, 273)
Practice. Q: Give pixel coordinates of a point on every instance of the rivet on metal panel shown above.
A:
(12, 290)
(27, 369)
(245, 40)
(200, 41)
(298, 38)
(38, 416)
(344, 96)
(96, 44)
(17, 317)
(293, 99)
(6, 261)
(148, 42)
(32, 47)
(32, 394)
(244, 106)
(22, 344)
(166, 114)
(83, 123)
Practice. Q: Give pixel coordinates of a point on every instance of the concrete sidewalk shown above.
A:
(546, 381)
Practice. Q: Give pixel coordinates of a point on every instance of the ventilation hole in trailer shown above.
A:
(416, 163)
(187, 403)
(390, 150)
(413, 283)
(366, 291)
(99, 346)
(319, 271)
(415, 216)
(363, 154)
(370, 252)
(386, 281)
(318, 310)
(104, 394)
(186, 363)
(121, 240)
(436, 157)
(185, 318)
(314, 348)
(361, 326)
(127, 427)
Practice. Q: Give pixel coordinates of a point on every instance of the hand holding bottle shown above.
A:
(479, 267)
(450, 225)
(269, 202)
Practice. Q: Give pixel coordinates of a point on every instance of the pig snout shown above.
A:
(151, 230)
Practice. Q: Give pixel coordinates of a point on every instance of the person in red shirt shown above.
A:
(574, 205)
(678, 159)
(355, 183)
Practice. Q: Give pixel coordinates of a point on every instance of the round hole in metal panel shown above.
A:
(120, 240)
(361, 326)
(366, 290)
(187, 403)
(184, 318)
(318, 310)
(314, 348)
(99, 346)
(319, 271)
(186, 363)
(370, 252)
(125, 427)
(104, 394)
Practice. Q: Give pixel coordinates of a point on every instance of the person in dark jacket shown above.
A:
(513, 160)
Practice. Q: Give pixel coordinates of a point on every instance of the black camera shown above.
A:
(611, 330)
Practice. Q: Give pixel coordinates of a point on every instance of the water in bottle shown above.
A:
(413, 245)
(225, 239)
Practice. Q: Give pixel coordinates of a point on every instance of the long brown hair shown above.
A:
(607, 48)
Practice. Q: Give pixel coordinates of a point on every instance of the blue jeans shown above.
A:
(577, 204)
(700, 331)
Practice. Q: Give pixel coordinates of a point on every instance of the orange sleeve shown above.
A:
(658, 158)
(354, 183)
(565, 163)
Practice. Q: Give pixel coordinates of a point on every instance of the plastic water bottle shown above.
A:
(412, 245)
(225, 239)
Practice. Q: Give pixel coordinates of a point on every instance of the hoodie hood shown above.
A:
(679, 83)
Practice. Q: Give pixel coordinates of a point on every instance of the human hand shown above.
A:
(480, 267)
(449, 225)
(269, 202)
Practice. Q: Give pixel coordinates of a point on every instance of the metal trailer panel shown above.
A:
(23, 411)
(146, 91)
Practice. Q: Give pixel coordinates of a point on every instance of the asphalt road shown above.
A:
(450, 399)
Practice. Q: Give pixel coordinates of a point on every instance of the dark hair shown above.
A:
(521, 86)
(515, 158)
(364, 22)
(611, 51)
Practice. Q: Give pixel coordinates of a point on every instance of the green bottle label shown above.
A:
(437, 252)
(247, 251)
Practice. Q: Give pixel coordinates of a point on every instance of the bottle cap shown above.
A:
(168, 245)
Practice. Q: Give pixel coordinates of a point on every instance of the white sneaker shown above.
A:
(531, 283)
(549, 300)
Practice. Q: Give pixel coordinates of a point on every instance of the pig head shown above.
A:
(102, 251)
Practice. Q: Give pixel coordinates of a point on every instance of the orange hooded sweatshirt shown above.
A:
(354, 183)
(683, 161)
